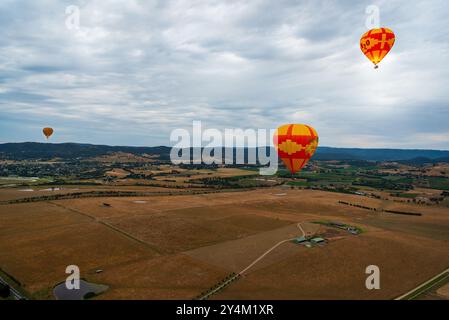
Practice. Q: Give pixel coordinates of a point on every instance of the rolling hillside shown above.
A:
(32, 150)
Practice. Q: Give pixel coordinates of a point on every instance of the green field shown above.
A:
(24, 181)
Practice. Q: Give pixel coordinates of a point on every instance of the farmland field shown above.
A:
(177, 246)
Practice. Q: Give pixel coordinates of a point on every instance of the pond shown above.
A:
(87, 290)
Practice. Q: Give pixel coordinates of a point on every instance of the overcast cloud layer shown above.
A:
(135, 70)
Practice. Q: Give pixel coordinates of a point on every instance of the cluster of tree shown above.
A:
(404, 213)
(80, 170)
(76, 195)
(219, 286)
(230, 182)
(357, 205)
(383, 184)
(331, 188)
(219, 182)
(199, 166)
(142, 176)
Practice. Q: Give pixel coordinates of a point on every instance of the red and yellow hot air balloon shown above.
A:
(376, 43)
(47, 132)
(296, 144)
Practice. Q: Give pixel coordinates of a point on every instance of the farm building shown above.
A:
(300, 240)
(353, 230)
(317, 240)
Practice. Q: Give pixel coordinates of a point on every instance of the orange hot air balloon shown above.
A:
(47, 132)
(376, 44)
(296, 144)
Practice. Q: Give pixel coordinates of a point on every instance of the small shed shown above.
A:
(317, 240)
(300, 240)
(353, 230)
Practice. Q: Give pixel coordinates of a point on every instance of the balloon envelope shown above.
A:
(296, 144)
(376, 43)
(47, 132)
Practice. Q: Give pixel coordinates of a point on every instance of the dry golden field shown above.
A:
(435, 170)
(175, 247)
(123, 157)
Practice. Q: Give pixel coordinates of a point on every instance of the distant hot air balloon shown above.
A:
(296, 144)
(376, 43)
(47, 132)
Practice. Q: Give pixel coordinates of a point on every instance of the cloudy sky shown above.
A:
(135, 70)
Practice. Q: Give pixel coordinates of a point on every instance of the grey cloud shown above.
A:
(158, 65)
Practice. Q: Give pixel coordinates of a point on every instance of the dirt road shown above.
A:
(271, 249)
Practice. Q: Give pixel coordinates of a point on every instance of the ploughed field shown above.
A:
(179, 246)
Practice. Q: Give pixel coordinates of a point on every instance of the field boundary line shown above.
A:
(113, 228)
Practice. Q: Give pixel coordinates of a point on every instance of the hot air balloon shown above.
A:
(47, 132)
(296, 144)
(376, 43)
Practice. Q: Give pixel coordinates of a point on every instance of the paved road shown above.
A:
(16, 294)
(271, 249)
(424, 284)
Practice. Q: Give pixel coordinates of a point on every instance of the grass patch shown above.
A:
(405, 195)
(298, 183)
(440, 183)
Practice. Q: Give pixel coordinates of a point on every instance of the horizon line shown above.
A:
(164, 146)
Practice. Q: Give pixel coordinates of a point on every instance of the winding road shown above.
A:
(232, 279)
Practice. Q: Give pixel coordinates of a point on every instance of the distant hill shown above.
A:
(325, 153)
(33, 150)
